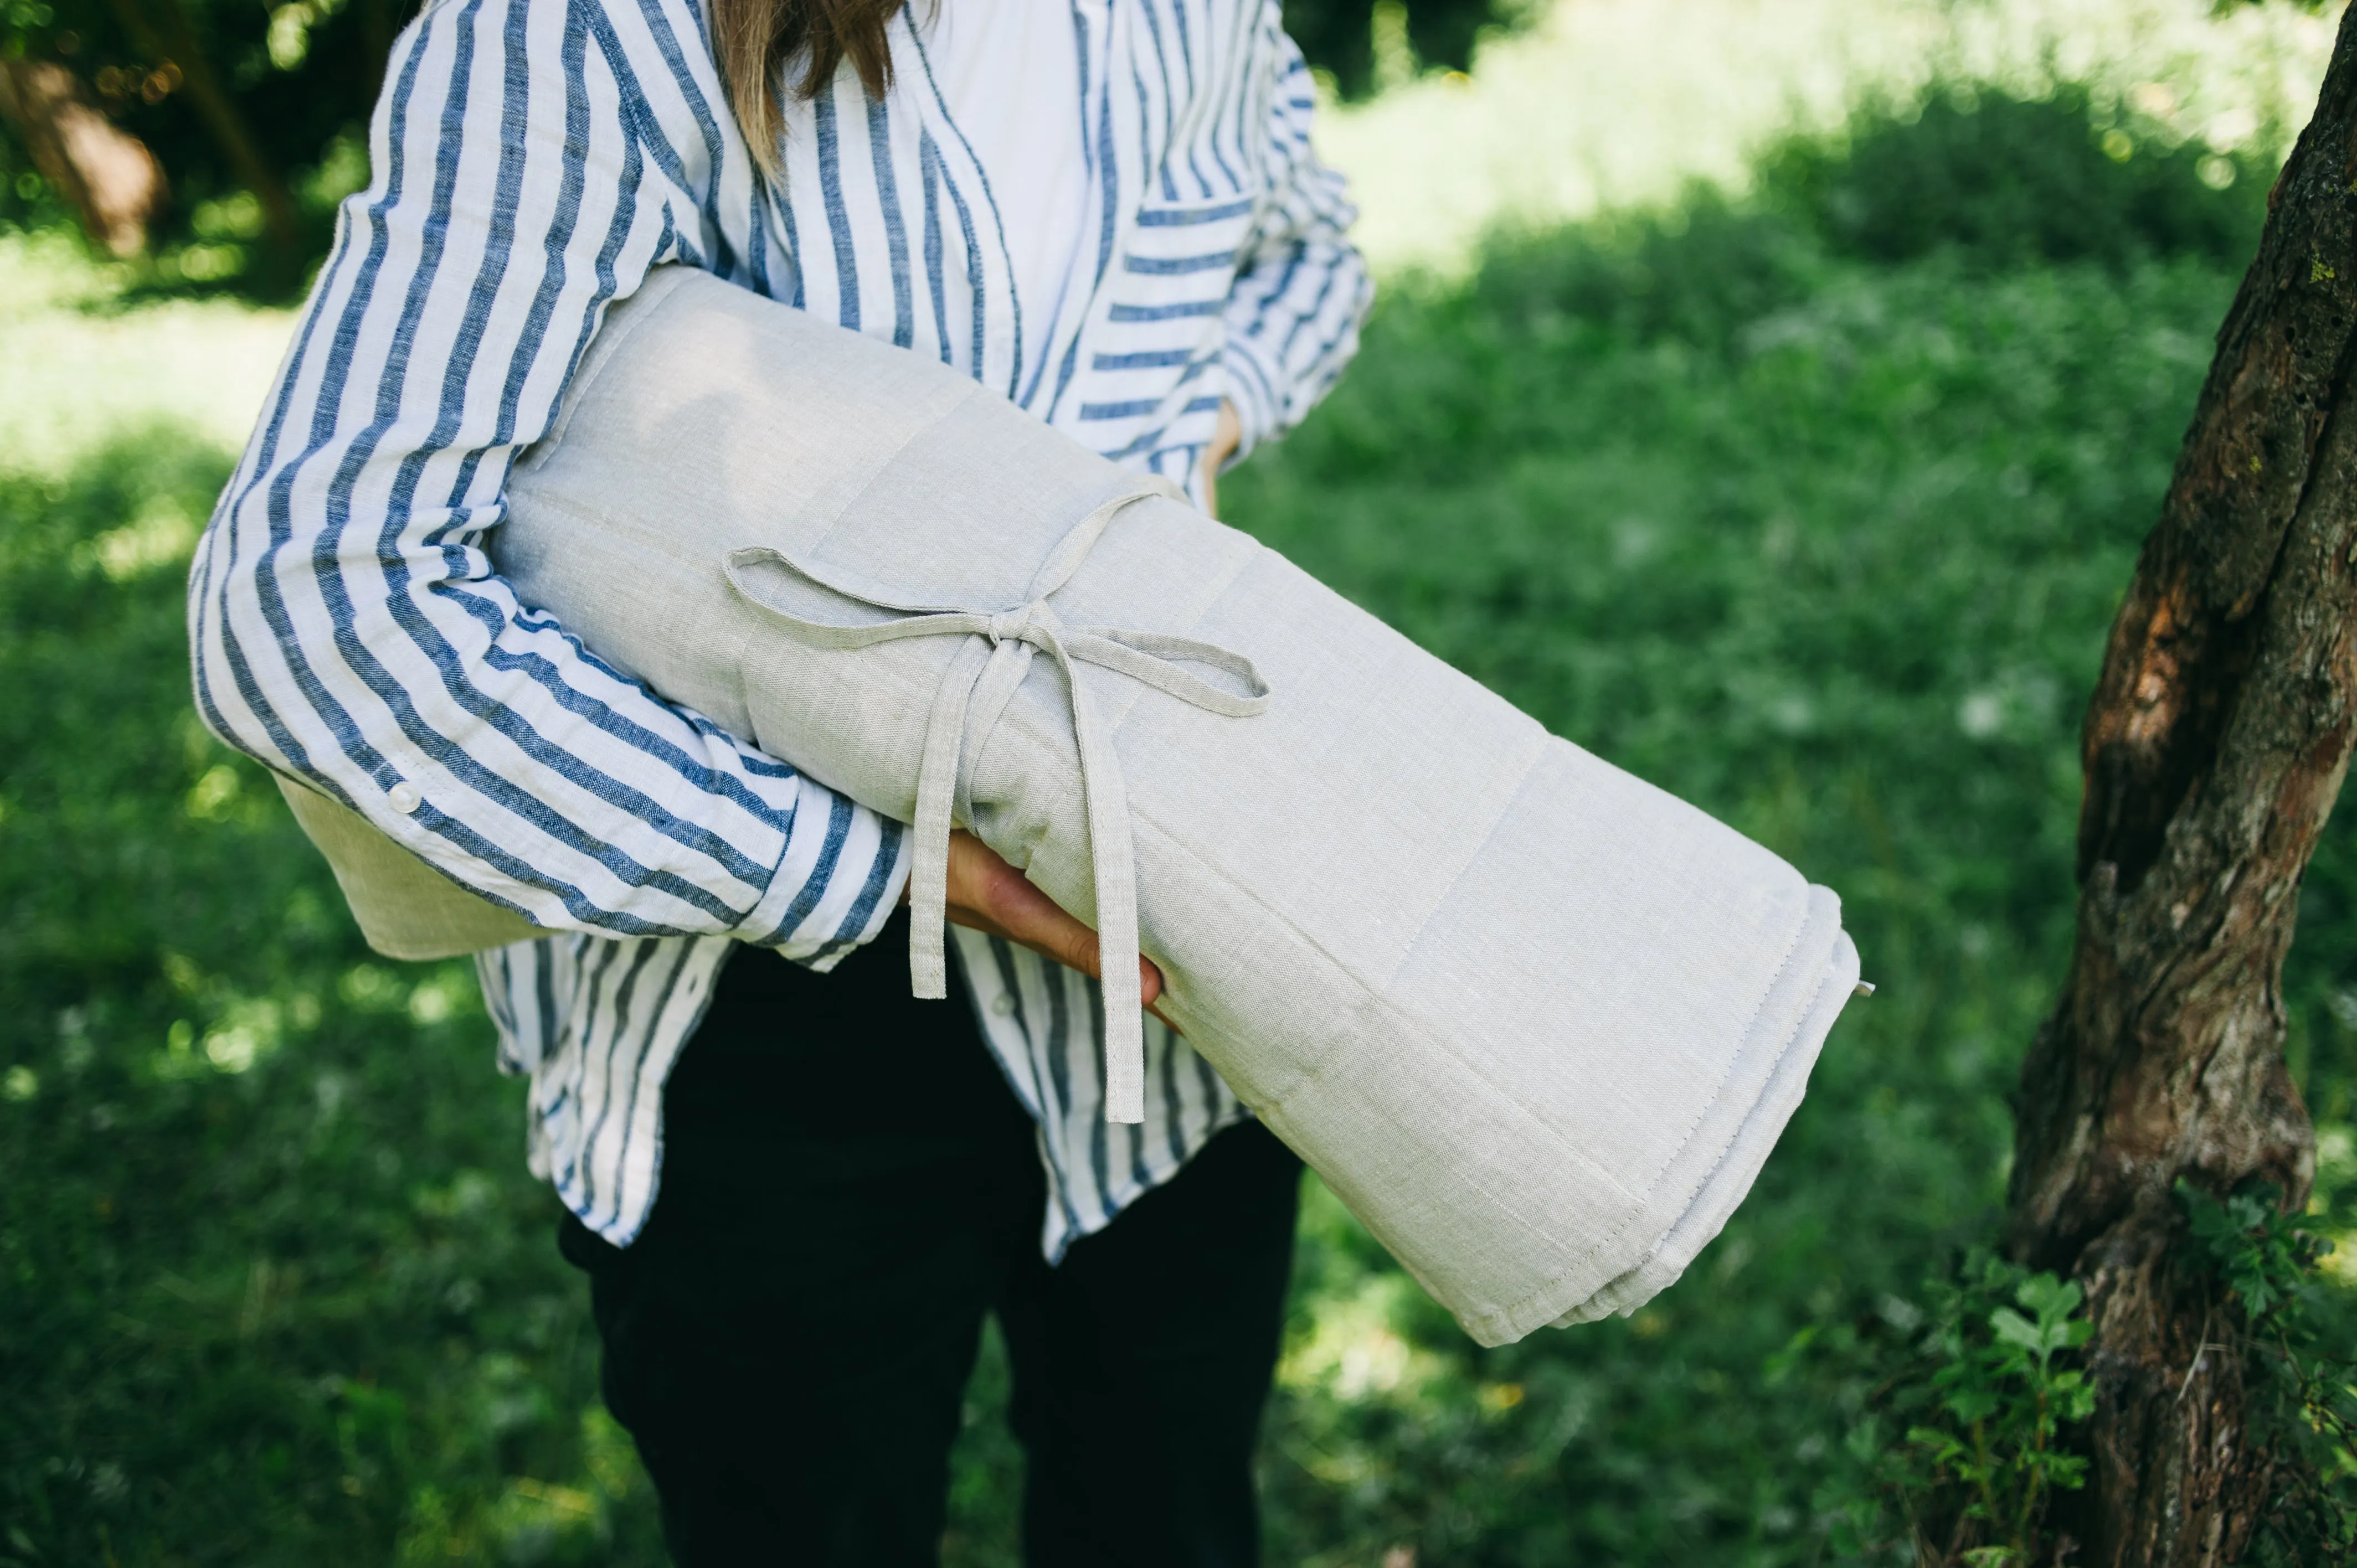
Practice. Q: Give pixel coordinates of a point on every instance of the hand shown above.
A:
(989, 895)
(1225, 439)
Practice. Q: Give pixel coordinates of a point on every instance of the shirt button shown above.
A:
(1003, 1004)
(403, 797)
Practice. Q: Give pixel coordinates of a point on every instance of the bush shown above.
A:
(2007, 181)
(1985, 180)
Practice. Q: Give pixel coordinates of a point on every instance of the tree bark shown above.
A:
(106, 175)
(2214, 747)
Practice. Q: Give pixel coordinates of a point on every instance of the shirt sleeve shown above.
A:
(346, 625)
(1301, 287)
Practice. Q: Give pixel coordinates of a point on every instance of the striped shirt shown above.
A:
(532, 160)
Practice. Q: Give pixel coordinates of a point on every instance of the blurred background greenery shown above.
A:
(1775, 408)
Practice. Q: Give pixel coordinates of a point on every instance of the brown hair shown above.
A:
(753, 40)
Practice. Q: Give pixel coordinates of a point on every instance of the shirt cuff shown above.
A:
(1252, 388)
(843, 873)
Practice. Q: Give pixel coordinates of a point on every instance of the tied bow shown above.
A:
(982, 679)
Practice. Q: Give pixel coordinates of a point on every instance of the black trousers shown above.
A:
(848, 1186)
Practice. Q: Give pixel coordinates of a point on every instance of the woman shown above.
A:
(1106, 209)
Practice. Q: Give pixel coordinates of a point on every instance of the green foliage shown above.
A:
(1989, 1391)
(2005, 1404)
(1339, 36)
(1828, 544)
(1978, 177)
(2257, 1250)
(298, 76)
(2297, 1341)
(2008, 181)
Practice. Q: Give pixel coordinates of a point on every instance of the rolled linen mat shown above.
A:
(1536, 1022)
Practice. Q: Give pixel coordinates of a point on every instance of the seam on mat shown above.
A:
(1717, 1094)
(1245, 557)
(586, 378)
(1277, 1106)
(1783, 1055)
(834, 524)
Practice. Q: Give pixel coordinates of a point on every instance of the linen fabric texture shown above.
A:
(404, 906)
(1537, 1023)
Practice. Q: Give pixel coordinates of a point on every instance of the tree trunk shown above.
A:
(106, 175)
(176, 40)
(2214, 747)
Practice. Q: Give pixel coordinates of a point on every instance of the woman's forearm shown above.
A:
(348, 628)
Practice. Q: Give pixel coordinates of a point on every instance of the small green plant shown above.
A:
(2255, 1249)
(1984, 1394)
(2003, 1393)
(2003, 1402)
(2298, 1350)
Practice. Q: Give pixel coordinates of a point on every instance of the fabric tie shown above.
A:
(983, 679)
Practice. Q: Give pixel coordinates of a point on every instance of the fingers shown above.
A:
(988, 895)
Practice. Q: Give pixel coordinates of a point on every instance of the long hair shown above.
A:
(753, 40)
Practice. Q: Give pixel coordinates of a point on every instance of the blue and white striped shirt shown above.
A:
(532, 160)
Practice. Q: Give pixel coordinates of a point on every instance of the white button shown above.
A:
(403, 797)
(1003, 1004)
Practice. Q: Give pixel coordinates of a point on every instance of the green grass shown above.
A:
(1822, 535)
(1602, 106)
(87, 365)
(276, 1288)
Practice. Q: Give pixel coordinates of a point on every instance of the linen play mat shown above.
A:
(1537, 1023)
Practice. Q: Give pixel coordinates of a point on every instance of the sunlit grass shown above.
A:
(82, 367)
(1614, 103)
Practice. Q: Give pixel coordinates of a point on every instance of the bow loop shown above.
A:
(996, 655)
(1018, 624)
